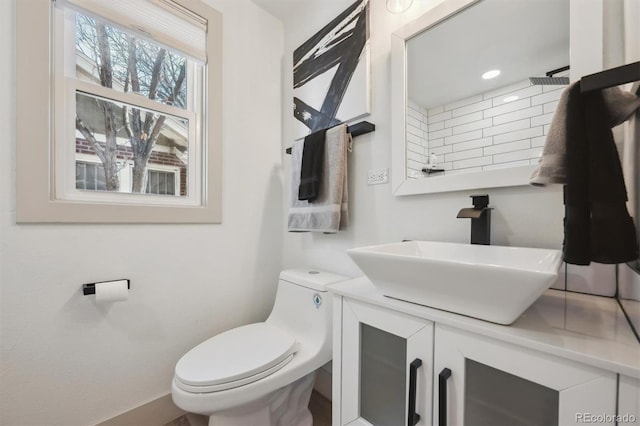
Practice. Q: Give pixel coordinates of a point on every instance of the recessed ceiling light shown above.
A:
(511, 98)
(491, 74)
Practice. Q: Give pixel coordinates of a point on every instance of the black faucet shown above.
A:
(480, 215)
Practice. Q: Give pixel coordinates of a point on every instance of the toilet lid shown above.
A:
(248, 352)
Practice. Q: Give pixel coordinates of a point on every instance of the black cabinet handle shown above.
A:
(442, 396)
(413, 417)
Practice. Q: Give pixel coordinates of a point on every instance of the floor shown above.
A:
(319, 406)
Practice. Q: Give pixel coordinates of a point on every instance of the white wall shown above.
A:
(523, 215)
(66, 361)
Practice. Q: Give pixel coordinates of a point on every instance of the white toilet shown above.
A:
(262, 374)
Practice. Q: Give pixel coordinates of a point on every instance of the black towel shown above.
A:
(312, 164)
(598, 227)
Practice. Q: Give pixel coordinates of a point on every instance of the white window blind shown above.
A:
(164, 21)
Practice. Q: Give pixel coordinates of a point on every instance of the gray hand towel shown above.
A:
(328, 212)
(552, 165)
(581, 154)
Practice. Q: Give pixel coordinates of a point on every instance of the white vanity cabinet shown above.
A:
(386, 366)
(569, 360)
(629, 401)
(485, 382)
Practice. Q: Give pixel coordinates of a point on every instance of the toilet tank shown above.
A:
(303, 304)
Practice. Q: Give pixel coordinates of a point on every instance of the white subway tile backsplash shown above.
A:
(553, 87)
(507, 127)
(550, 107)
(436, 126)
(415, 156)
(545, 97)
(416, 139)
(474, 125)
(463, 103)
(463, 155)
(468, 109)
(414, 122)
(538, 141)
(415, 131)
(439, 150)
(508, 147)
(517, 135)
(506, 157)
(414, 113)
(541, 119)
(463, 137)
(508, 107)
(435, 143)
(483, 132)
(517, 115)
(546, 129)
(441, 133)
(438, 117)
(416, 143)
(472, 162)
(464, 119)
(476, 143)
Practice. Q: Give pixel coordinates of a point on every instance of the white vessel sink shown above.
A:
(492, 283)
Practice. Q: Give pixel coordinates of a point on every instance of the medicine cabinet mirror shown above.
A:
(454, 129)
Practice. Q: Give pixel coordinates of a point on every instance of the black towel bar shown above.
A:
(612, 77)
(356, 129)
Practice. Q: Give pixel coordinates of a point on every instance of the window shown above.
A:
(161, 183)
(134, 107)
(90, 176)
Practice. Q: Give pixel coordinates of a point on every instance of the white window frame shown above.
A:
(37, 193)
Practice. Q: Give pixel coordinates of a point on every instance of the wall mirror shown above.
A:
(454, 125)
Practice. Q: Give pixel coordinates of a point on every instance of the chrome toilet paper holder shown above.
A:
(90, 288)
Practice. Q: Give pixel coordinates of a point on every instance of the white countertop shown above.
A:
(589, 329)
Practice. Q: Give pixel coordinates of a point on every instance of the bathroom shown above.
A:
(66, 360)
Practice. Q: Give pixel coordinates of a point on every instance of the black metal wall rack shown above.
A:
(356, 129)
(612, 77)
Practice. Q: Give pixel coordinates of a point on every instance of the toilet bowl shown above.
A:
(263, 373)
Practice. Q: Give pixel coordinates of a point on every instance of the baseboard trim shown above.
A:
(162, 410)
(155, 413)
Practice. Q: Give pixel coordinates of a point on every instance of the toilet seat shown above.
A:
(235, 358)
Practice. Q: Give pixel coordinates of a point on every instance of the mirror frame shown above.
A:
(401, 185)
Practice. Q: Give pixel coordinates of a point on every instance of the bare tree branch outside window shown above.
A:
(120, 60)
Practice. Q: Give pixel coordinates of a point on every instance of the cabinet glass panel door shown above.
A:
(481, 381)
(386, 367)
(495, 398)
(383, 361)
